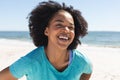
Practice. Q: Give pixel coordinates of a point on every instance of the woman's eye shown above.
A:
(71, 28)
(59, 26)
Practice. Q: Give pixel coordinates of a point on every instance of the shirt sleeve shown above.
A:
(88, 68)
(21, 67)
(88, 65)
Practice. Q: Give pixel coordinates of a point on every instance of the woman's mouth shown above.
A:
(63, 37)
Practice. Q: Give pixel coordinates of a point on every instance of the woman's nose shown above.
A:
(66, 29)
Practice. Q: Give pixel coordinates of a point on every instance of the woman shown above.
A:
(55, 30)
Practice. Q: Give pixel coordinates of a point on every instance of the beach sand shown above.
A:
(106, 61)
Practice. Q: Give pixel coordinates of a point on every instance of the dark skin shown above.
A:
(61, 23)
(85, 76)
(6, 75)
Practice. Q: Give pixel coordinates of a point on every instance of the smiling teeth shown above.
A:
(63, 37)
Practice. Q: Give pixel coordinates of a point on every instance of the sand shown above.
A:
(106, 61)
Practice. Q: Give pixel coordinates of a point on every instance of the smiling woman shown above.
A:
(55, 30)
(59, 30)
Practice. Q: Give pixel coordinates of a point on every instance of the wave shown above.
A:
(29, 42)
(96, 45)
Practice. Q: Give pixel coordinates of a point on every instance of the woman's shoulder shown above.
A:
(33, 56)
(80, 56)
(35, 52)
(82, 60)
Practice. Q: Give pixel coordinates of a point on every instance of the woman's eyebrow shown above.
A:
(58, 20)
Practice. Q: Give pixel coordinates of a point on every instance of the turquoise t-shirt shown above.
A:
(35, 66)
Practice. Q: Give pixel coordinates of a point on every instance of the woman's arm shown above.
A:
(6, 75)
(85, 76)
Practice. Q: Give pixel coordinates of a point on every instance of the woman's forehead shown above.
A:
(62, 15)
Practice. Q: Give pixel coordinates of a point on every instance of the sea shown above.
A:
(93, 38)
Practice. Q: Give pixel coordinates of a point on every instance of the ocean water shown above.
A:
(93, 38)
(102, 38)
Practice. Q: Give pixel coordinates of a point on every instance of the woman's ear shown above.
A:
(46, 31)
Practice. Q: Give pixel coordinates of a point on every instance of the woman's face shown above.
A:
(60, 30)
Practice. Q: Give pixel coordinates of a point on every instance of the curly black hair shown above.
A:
(40, 17)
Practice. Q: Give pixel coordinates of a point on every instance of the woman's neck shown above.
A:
(59, 58)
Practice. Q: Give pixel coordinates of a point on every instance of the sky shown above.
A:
(101, 15)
